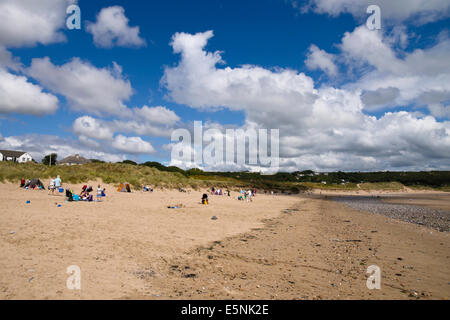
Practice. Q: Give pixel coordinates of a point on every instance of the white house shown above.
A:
(16, 156)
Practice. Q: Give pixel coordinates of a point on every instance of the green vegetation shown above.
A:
(113, 173)
(129, 162)
(50, 159)
(158, 175)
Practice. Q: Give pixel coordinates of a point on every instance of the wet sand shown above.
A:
(438, 201)
(409, 209)
(133, 247)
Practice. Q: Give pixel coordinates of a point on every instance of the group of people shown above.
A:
(55, 184)
(247, 195)
(219, 192)
(32, 184)
(147, 188)
(85, 194)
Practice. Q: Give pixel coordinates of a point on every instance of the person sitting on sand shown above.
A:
(205, 199)
(83, 191)
(147, 188)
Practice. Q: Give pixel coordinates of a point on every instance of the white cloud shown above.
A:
(89, 142)
(380, 97)
(402, 79)
(322, 128)
(99, 91)
(439, 111)
(319, 59)
(18, 95)
(28, 22)
(7, 61)
(39, 145)
(197, 82)
(146, 121)
(157, 115)
(111, 28)
(89, 127)
(134, 145)
(416, 11)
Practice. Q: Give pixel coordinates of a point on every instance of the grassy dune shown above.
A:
(137, 175)
(114, 173)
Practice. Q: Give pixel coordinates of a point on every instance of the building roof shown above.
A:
(10, 153)
(76, 159)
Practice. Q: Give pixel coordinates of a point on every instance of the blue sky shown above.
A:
(344, 97)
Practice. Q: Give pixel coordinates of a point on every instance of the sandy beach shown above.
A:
(131, 246)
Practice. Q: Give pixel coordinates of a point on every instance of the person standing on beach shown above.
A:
(249, 198)
(57, 182)
(51, 186)
(99, 193)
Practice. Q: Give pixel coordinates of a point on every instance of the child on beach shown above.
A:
(51, 187)
(99, 193)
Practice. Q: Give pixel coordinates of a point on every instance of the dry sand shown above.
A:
(131, 246)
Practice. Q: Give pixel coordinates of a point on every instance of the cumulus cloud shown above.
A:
(158, 115)
(99, 91)
(112, 29)
(197, 82)
(7, 61)
(134, 145)
(399, 80)
(18, 95)
(88, 127)
(39, 145)
(440, 111)
(319, 59)
(417, 11)
(146, 121)
(379, 97)
(28, 22)
(323, 128)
